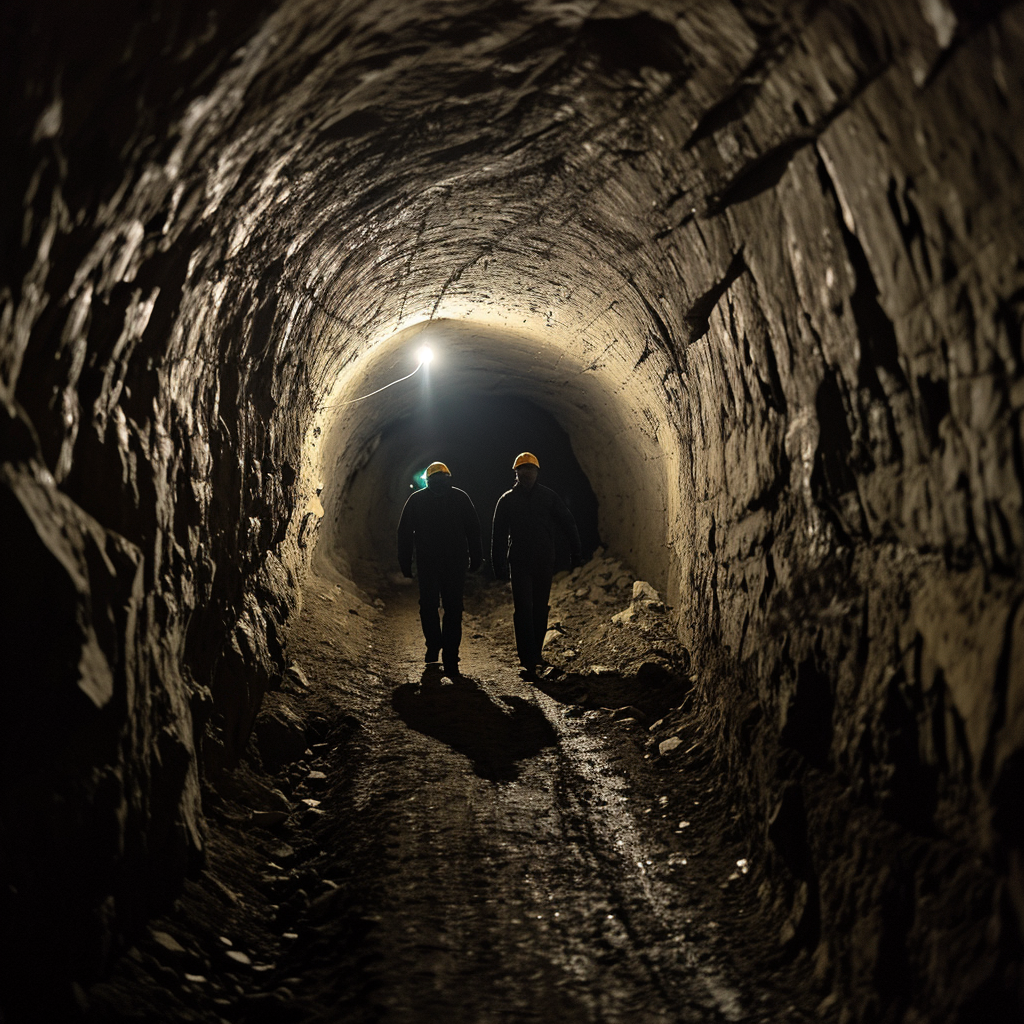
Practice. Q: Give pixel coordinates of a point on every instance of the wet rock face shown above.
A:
(762, 262)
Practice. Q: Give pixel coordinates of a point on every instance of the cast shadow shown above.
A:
(494, 736)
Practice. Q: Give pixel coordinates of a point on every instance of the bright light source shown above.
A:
(424, 354)
(421, 478)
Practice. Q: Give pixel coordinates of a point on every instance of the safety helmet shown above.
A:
(437, 467)
(526, 459)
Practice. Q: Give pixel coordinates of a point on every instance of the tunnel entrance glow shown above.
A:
(496, 394)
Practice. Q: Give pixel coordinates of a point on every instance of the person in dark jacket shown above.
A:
(440, 523)
(526, 520)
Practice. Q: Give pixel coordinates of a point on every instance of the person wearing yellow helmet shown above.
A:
(526, 520)
(440, 526)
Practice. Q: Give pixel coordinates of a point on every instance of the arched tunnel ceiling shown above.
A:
(762, 262)
(583, 175)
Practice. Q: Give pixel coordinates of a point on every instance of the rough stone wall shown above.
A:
(773, 250)
(856, 418)
(146, 474)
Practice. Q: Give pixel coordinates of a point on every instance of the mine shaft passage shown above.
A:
(477, 437)
(487, 395)
(749, 274)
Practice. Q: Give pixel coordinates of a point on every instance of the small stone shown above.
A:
(643, 591)
(601, 670)
(667, 746)
(281, 737)
(315, 776)
(624, 617)
(294, 674)
(168, 942)
(268, 819)
(581, 592)
(282, 854)
(239, 956)
(628, 713)
(197, 979)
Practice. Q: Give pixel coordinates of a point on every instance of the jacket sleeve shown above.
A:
(499, 539)
(568, 525)
(405, 535)
(472, 526)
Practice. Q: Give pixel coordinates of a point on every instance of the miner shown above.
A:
(527, 520)
(440, 524)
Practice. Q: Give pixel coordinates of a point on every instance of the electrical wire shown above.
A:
(425, 356)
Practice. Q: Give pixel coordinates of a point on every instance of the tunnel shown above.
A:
(748, 275)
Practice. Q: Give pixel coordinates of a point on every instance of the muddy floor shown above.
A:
(404, 846)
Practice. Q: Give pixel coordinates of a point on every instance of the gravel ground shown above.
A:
(401, 846)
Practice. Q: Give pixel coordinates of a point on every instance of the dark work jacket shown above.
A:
(523, 532)
(440, 522)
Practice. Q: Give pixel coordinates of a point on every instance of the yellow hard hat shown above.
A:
(526, 459)
(437, 467)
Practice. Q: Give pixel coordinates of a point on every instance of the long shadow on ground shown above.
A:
(494, 736)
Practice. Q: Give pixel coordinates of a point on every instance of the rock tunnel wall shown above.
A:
(770, 257)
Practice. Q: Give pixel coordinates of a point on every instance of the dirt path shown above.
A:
(502, 875)
(471, 850)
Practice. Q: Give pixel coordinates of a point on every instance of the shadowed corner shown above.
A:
(495, 737)
(649, 692)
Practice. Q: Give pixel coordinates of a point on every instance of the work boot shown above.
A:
(451, 661)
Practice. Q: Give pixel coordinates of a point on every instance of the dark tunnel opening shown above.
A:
(745, 274)
(489, 394)
(478, 437)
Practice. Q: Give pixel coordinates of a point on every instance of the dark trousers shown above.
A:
(531, 588)
(441, 586)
